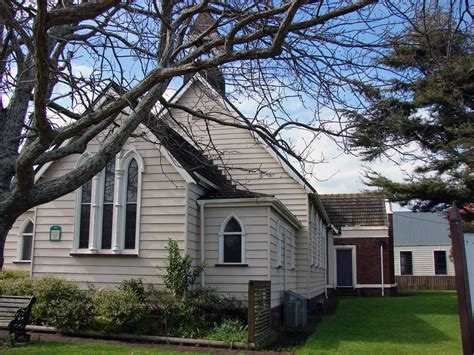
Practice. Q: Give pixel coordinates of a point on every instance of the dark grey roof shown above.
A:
(232, 192)
(355, 209)
(188, 156)
(420, 228)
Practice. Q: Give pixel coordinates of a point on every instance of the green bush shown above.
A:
(59, 303)
(213, 307)
(119, 311)
(195, 315)
(72, 313)
(8, 274)
(179, 275)
(136, 286)
(16, 283)
(51, 291)
(229, 331)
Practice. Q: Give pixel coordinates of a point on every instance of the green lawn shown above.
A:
(422, 322)
(54, 348)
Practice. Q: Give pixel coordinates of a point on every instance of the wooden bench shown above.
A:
(15, 313)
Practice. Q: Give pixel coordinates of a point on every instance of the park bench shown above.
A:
(15, 313)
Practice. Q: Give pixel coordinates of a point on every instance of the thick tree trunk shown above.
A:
(6, 223)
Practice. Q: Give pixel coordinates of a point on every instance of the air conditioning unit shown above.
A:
(295, 310)
(292, 314)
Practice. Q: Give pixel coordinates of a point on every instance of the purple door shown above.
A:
(344, 267)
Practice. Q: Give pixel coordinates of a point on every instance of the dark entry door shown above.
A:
(344, 267)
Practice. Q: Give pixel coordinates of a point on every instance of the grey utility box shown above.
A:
(295, 310)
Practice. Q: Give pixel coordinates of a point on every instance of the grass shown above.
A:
(421, 322)
(53, 348)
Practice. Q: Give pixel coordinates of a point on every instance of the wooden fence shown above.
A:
(426, 282)
(259, 311)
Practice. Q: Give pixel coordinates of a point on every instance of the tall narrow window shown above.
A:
(107, 219)
(279, 245)
(406, 263)
(293, 250)
(85, 215)
(108, 205)
(131, 205)
(440, 264)
(232, 242)
(26, 242)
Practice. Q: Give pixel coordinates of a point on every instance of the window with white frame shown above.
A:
(108, 207)
(25, 241)
(279, 244)
(232, 241)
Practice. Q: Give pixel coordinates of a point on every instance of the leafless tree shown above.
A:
(58, 56)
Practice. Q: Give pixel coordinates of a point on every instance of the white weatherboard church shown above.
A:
(268, 226)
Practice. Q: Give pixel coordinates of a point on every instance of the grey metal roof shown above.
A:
(420, 228)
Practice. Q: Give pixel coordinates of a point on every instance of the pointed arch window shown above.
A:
(232, 241)
(108, 207)
(131, 207)
(85, 214)
(26, 241)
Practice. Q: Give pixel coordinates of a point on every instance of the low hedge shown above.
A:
(131, 308)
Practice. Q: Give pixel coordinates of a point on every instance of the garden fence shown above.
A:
(259, 311)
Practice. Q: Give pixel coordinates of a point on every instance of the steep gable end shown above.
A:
(237, 151)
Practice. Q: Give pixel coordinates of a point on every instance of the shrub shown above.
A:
(16, 283)
(136, 286)
(213, 307)
(195, 315)
(71, 313)
(117, 311)
(229, 331)
(50, 292)
(179, 274)
(59, 303)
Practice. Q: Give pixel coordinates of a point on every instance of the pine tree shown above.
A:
(425, 112)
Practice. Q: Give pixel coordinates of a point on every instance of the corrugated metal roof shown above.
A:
(420, 228)
(355, 209)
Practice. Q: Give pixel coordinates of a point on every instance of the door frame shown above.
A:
(354, 263)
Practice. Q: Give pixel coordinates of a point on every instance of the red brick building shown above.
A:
(360, 247)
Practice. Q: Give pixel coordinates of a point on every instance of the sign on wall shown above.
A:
(55, 233)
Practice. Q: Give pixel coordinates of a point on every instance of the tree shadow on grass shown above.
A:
(394, 322)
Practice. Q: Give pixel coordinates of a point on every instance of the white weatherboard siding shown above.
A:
(283, 277)
(331, 255)
(163, 214)
(12, 244)
(423, 259)
(234, 279)
(193, 243)
(252, 166)
(317, 244)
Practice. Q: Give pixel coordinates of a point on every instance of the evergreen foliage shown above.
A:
(180, 275)
(425, 113)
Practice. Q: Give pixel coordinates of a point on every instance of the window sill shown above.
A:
(21, 261)
(100, 254)
(231, 264)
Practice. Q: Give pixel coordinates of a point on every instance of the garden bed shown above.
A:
(134, 309)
